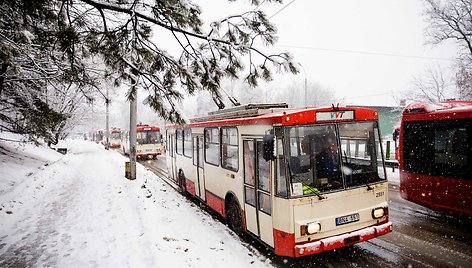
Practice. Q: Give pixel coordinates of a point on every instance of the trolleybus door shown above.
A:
(257, 191)
(198, 162)
(171, 154)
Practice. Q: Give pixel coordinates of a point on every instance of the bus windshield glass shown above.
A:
(148, 137)
(360, 152)
(330, 157)
(116, 135)
(313, 159)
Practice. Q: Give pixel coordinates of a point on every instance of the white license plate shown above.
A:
(347, 219)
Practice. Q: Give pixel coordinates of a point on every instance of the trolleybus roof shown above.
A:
(280, 114)
(442, 110)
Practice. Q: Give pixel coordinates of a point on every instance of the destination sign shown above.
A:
(334, 115)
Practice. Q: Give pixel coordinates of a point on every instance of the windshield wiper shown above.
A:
(315, 191)
(368, 186)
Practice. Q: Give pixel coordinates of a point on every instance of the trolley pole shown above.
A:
(132, 132)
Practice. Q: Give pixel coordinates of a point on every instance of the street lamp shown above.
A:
(305, 88)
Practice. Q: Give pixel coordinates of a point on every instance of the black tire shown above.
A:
(234, 218)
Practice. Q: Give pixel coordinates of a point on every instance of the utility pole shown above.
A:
(305, 88)
(107, 131)
(132, 132)
(133, 110)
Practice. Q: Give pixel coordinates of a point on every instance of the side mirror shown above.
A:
(268, 152)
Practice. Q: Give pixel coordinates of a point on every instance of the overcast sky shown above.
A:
(367, 51)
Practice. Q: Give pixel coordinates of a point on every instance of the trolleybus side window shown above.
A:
(256, 176)
(170, 145)
(229, 148)
(249, 172)
(198, 151)
(179, 138)
(263, 183)
(281, 182)
(439, 148)
(187, 142)
(212, 146)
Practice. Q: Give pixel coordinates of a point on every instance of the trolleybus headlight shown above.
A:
(310, 228)
(378, 213)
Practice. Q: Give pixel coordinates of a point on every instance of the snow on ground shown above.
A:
(393, 176)
(78, 210)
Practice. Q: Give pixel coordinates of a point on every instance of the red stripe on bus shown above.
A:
(286, 118)
(216, 203)
(284, 243)
(147, 128)
(190, 186)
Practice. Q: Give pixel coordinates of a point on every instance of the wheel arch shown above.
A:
(229, 198)
(232, 197)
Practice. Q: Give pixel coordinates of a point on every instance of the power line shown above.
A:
(363, 52)
(350, 51)
(281, 9)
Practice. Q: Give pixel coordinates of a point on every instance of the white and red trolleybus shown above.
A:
(436, 156)
(301, 181)
(149, 142)
(115, 138)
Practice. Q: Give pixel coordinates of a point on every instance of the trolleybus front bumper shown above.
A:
(343, 240)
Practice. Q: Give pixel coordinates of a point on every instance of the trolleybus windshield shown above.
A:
(116, 135)
(330, 157)
(148, 137)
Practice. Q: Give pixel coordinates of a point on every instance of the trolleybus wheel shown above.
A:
(234, 218)
(182, 185)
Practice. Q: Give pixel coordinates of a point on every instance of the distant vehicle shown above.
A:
(302, 181)
(148, 142)
(98, 136)
(436, 156)
(115, 138)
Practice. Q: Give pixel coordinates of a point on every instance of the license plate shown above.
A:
(347, 219)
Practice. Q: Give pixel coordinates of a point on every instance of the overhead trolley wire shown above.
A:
(364, 52)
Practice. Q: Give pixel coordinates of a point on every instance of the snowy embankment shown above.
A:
(78, 210)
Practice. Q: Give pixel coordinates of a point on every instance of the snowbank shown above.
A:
(78, 210)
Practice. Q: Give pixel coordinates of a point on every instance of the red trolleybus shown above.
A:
(148, 142)
(436, 156)
(300, 181)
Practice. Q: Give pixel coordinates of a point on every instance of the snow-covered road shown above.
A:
(78, 210)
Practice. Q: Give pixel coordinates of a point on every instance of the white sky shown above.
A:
(366, 50)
